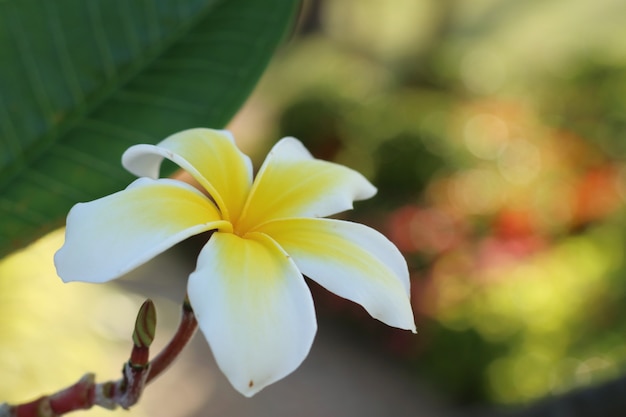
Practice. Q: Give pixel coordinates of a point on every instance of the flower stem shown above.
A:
(186, 329)
(138, 371)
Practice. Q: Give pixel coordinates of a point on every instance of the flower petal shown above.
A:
(351, 260)
(110, 236)
(210, 156)
(291, 183)
(254, 309)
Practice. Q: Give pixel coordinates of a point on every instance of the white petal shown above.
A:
(254, 309)
(291, 183)
(110, 236)
(351, 260)
(210, 156)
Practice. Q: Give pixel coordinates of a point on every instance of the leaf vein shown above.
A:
(153, 20)
(101, 40)
(61, 48)
(160, 101)
(112, 130)
(85, 159)
(129, 29)
(52, 185)
(9, 133)
(31, 67)
(197, 64)
(22, 212)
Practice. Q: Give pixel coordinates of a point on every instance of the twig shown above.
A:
(186, 329)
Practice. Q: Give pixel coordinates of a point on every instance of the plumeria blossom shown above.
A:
(248, 292)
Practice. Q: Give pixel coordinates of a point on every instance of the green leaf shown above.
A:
(81, 80)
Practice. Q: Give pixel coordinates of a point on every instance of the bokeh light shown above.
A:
(493, 136)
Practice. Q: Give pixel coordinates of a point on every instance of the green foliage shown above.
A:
(81, 81)
(471, 353)
(404, 167)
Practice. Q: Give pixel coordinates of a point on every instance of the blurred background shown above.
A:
(494, 132)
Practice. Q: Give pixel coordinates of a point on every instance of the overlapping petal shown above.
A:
(254, 308)
(351, 260)
(247, 292)
(291, 183)
(210, 156)
(110, 236)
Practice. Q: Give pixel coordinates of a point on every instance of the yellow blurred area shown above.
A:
(52, 333)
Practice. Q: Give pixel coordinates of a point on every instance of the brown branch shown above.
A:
(186, 329)
(76, 397)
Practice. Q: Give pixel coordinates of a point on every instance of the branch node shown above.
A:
(44, 408)
(104, 395)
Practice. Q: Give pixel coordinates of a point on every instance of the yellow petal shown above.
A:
(351, 260)
(254, 308)
(291, 183)
(210, 156)
(110, 236)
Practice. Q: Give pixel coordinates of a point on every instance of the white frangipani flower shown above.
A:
(248, 292)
